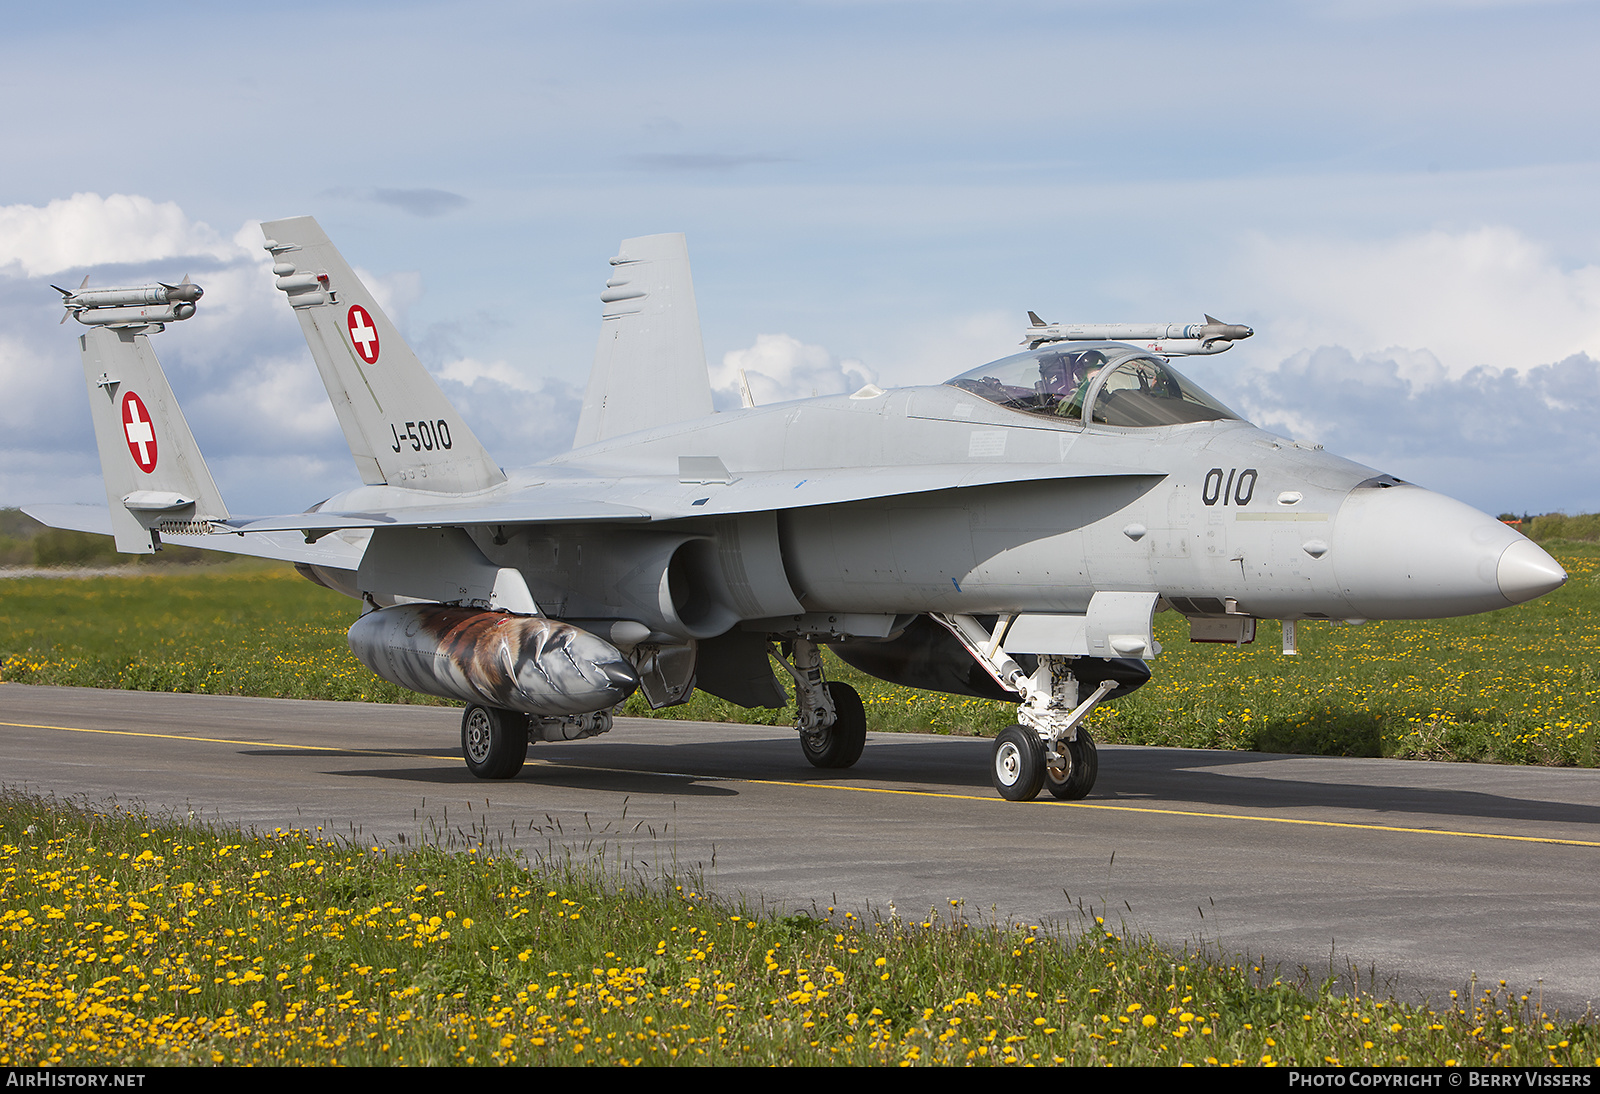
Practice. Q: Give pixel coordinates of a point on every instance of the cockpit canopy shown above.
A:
(1121, 385)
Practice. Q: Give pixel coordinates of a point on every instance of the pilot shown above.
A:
(1165, 385)
(1085, 369)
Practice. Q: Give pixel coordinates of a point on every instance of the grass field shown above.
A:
(1515, 686)
(128, 940)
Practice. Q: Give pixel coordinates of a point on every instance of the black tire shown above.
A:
(1018, 767)
(494, 742)
(840, 744)
(1083, 759)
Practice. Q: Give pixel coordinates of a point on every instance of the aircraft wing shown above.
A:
(543, 510)
(575, 498)
(775, 490)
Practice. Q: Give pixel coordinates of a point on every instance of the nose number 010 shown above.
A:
(1231, 487)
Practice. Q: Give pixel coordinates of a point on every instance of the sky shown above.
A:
(1399, 197)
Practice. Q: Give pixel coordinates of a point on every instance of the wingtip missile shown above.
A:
(184, 292)
(1167, 339)
(145, 305)
(1215, 330)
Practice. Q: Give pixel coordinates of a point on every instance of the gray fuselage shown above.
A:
(1056, 510)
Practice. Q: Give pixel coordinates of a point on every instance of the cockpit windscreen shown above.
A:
(1121, 384)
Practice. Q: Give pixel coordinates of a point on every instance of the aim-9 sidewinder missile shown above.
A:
(147, 305)
(1167, 339)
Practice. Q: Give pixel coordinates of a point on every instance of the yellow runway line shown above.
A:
(858, 789)
(1197, 813)
(226, 741)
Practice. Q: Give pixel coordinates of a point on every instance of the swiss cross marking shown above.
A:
(140, 431)
(363, 334)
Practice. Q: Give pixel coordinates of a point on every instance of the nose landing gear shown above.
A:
(1046, 748)
(1019, 764)
(1072, 776)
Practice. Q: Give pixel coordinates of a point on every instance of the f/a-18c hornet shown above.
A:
(1008, 534)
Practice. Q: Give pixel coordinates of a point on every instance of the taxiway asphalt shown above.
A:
(1418, 875)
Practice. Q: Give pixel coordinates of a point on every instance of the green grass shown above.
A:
(26, 542)
(1514, 686)
(245, 629)
(130, 940)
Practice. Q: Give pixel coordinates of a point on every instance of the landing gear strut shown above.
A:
(831, 720)
(1046, 748)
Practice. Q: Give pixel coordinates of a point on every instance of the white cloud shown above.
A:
(1500, 439)
(257, 484)
(780, 367)
(54, 476)
(467, 371)
(518, 422)
(276, 405)
(395, 293)
(239, 368)
(1487, 297)
(520, 418)
(933, 353)
(89, 230)
(35, 389)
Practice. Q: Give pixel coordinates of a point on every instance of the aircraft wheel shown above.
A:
(1083, 768)
(1018, 764)
(840, 744)
(494, 742)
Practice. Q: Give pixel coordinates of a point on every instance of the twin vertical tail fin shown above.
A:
(156, 480)
(400, 428)
(650, 365)
(649, 370)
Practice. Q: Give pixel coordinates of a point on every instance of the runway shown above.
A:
(1418, 874)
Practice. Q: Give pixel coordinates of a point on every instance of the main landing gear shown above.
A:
(1046, 749)
(831, 720)
(495, 741)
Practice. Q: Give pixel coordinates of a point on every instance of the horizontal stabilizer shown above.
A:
(94, 519)
(337, 552)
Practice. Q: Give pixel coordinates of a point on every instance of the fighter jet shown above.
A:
(1009, 533)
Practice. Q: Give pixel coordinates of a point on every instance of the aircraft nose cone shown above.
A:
(1401, 552)
(1526, 572)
